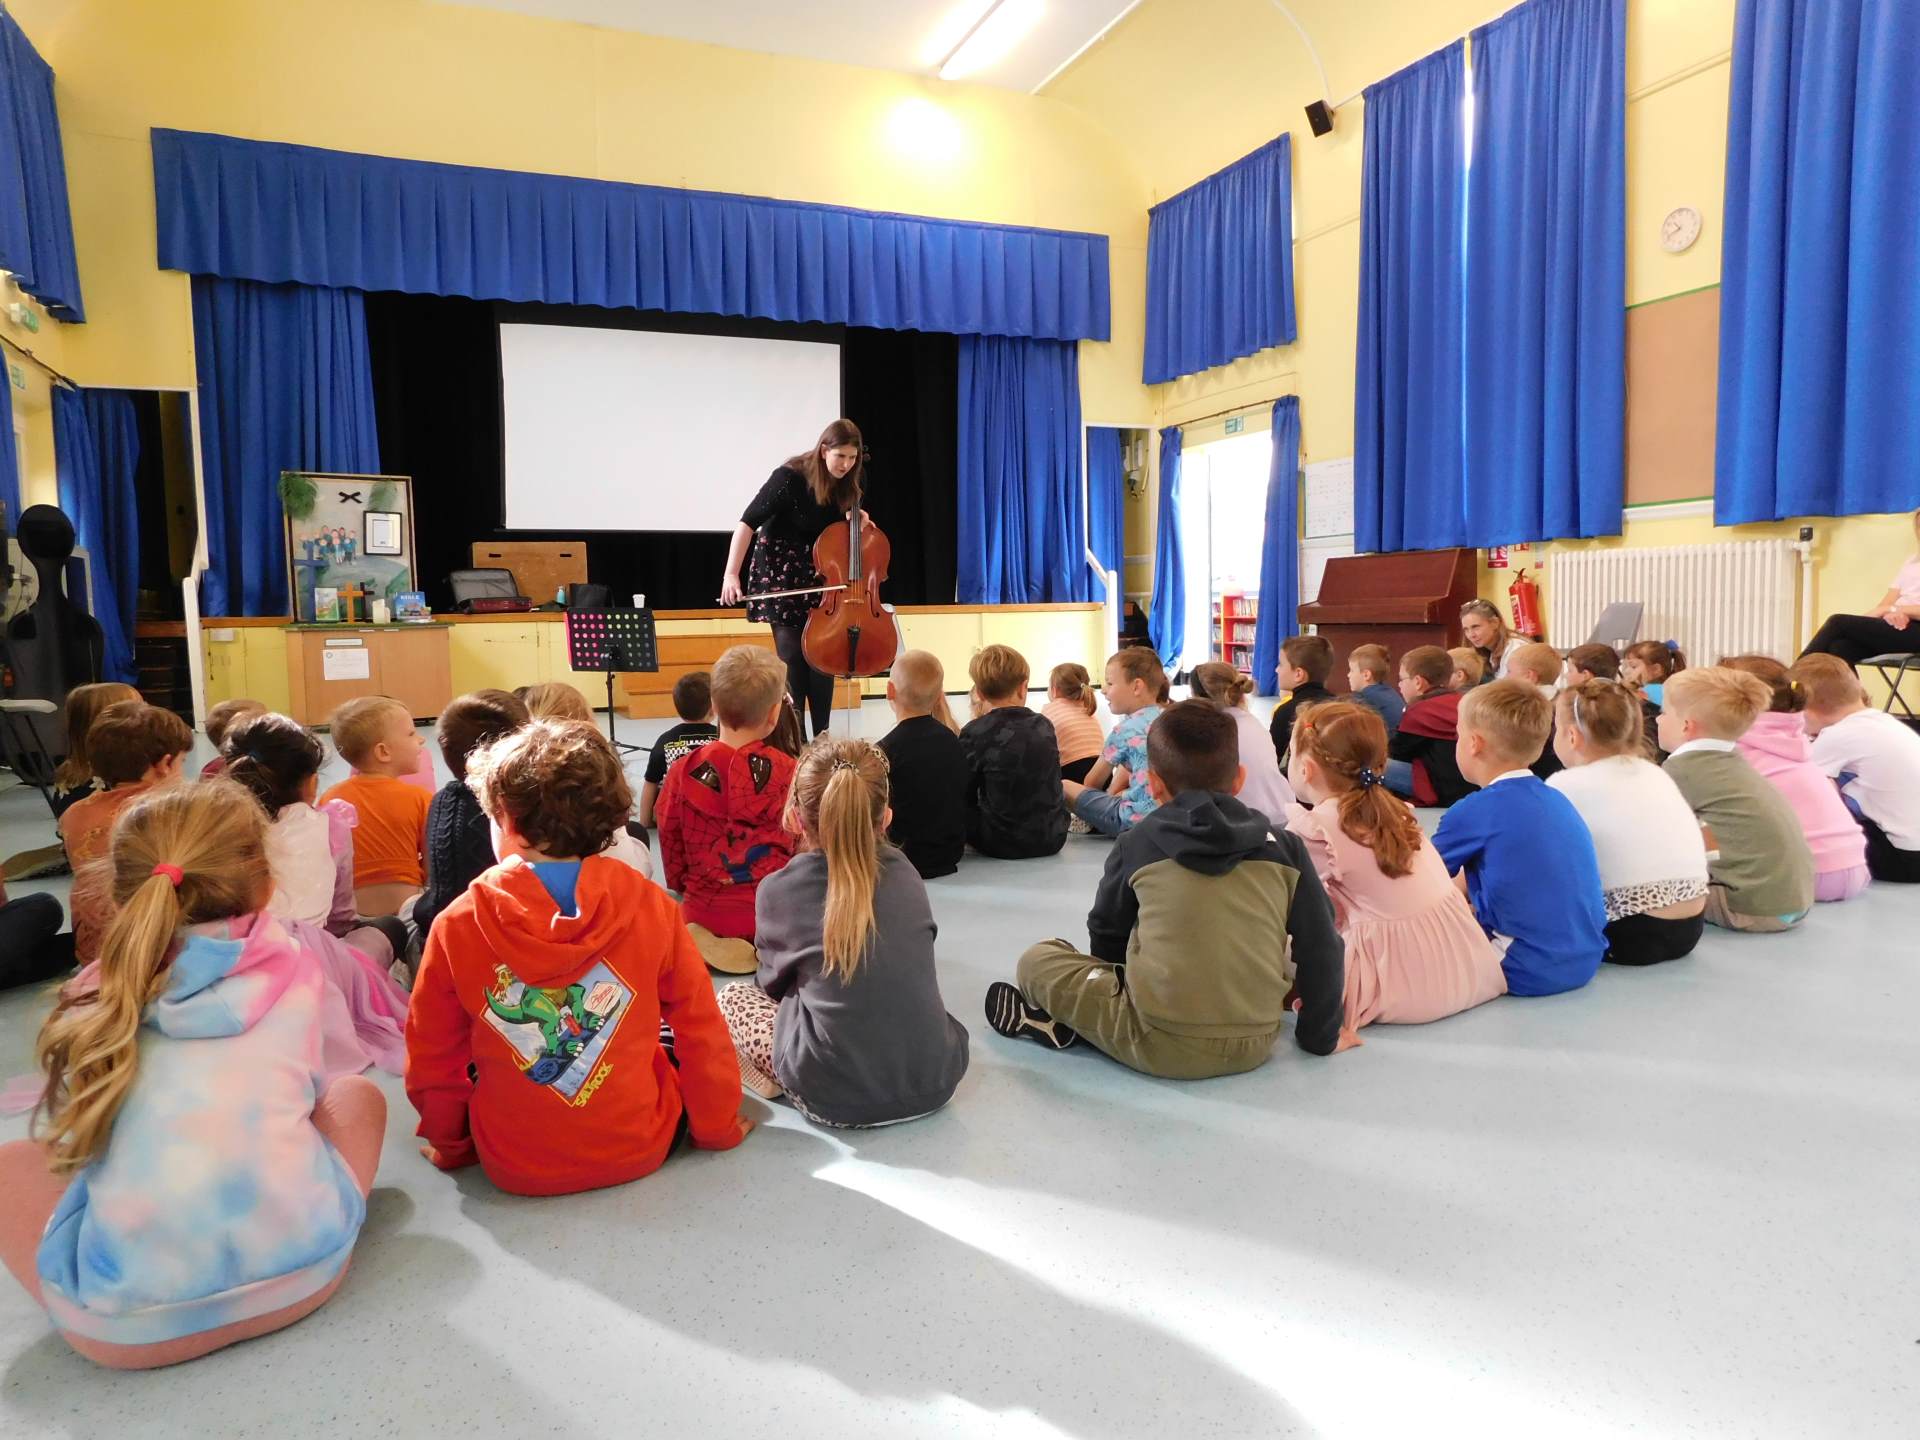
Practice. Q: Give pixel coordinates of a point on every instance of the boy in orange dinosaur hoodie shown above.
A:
(720, 810)
(550, 978)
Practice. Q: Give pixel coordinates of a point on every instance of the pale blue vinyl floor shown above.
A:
(1681, 1202)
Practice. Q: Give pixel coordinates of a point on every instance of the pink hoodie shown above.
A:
(1776, 746)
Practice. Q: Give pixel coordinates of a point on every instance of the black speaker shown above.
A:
(589, 597)
(1320, 117)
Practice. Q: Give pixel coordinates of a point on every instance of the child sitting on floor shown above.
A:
(376, 737)
(1874, 757)
(1014, 806)
(1759, 867)
(1777, 746)
(721, 831)
(1116, 794)
(927, 765)
(556, 700)
(1265, 788)
(1422, 763)
(310, 858)
(846, 1016)
(1646, 668)
(1305, 663)
(1519, 849)
(1205, 914)
(1414, 952)
(459, 844)
(693, 703)
(1072, 707)
(1653, 861)
(534, 1041)
(1469, 668)
(133, 747)
(1370, 677)
(189, 1187)
(220, 719)
(74, 780)
(1590, 662)
(1540, 665)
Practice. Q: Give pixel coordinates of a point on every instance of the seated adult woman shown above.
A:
(1887, 630)
(1485, 629)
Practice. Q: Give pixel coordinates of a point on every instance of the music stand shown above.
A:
(607, 641)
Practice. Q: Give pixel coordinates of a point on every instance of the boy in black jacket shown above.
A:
(1190, 932)
(1015, 808)
(928, 776)
(1305, 663)
(459, 844)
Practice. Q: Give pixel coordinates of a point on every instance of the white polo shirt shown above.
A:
(1883, 758)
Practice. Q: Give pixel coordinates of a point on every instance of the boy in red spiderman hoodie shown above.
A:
(721, 831)
(534, 1035)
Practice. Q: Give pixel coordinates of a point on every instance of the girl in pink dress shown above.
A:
(1777, 746)
(1415, 952)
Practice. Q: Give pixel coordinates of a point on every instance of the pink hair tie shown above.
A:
(173, 873)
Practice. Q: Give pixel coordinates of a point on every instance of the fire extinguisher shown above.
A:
(1524, 598)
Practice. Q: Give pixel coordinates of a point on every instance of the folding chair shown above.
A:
(1893, 669)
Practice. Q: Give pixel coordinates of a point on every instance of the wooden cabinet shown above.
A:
(410, 663)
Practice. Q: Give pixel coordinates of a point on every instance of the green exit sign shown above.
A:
(16, 376)
(1235, 424)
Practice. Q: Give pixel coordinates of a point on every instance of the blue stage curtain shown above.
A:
(285, 384)
(1220, 266)
(1106, 489)
(9, 457)
(1546, 379)
(96, 451)
(256, 211)
(1409, 425)
(36, 227)
(1021, 534)
(1167, 610)
(1819, 410)
(1277, 615)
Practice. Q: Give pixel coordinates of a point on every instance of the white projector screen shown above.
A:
(644, 430)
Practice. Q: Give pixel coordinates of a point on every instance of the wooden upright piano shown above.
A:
(1400, 600)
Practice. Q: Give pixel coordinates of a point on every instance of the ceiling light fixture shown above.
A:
(992, 38)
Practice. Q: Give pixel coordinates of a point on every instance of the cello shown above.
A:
(850, 634)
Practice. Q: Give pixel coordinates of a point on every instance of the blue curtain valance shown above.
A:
(253, 210)
(36, 226)
(1220, 266)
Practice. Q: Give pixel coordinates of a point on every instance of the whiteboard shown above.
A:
(646, 430)
(1329, 486)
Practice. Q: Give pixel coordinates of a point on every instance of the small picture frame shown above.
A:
(384, 532)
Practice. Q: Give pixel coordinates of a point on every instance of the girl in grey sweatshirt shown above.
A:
(845, 1014)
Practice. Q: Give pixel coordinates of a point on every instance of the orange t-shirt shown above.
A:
(392, 833)
(86, 829)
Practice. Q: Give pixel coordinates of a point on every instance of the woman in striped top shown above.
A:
(1070, 706)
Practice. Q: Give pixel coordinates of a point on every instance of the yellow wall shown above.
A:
(473, 86)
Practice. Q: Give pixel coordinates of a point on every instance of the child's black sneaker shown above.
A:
(1010, 1013)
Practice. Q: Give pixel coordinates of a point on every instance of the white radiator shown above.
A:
(1740, 598)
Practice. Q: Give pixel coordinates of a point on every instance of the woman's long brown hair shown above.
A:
(820, 482)
(1344, 739)
(837, 798)
(89, 1047)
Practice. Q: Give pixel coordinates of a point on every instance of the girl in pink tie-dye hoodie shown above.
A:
(190, 1184)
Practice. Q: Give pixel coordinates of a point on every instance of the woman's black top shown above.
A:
(785, 510)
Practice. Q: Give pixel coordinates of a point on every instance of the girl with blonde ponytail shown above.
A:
(200, 1033)
(845, 1016)
(1415, 952)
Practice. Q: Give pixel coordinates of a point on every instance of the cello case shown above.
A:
(53, 645)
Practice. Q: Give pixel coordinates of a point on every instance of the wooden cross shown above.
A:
(349, 596)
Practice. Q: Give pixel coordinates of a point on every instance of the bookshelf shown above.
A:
(1233, 621)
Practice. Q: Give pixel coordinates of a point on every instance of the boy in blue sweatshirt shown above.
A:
(1518, 848)
(1371, 679)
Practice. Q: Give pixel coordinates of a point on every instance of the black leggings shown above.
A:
(1858, 637)
(32, 945)
(1647, 939)
(1886, 860)
(808, 687)
(1076, 770)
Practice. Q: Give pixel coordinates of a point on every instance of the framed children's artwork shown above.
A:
(347, 533)
(383, 532)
